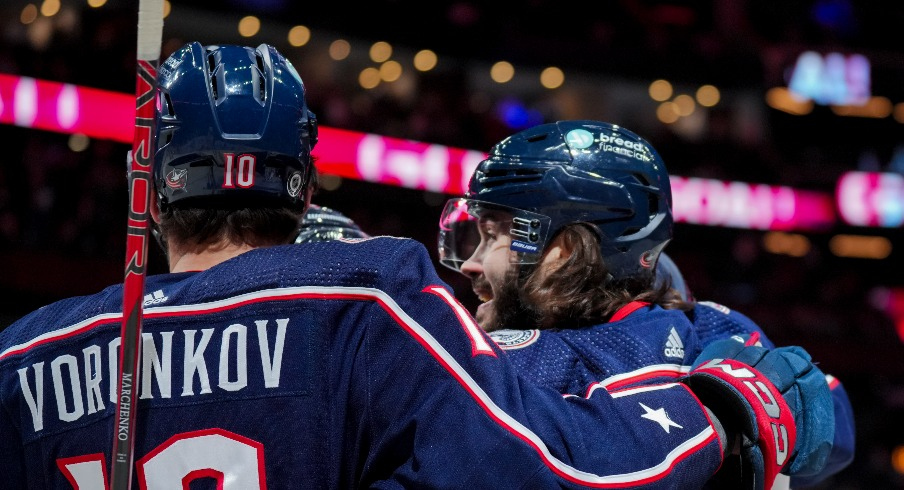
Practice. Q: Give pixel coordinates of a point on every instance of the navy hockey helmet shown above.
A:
(322, 224)
(557, 174)
(232, 122)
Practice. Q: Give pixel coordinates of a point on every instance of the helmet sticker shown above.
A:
(294, 184)
(579, 139)
(176, 178)
(623, 146)
(520, 246)
(646, 259)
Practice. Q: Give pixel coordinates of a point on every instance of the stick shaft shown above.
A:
(150, 31)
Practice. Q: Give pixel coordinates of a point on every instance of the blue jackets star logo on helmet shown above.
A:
(175, 179)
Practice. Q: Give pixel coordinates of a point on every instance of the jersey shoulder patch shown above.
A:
(716, 306)
(514, 339)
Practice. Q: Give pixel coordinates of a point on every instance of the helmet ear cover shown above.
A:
(232, 123)
(585, 172)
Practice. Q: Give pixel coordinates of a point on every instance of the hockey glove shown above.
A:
(775, 401)
(843, 443)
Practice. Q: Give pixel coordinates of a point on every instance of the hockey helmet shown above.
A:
(233, 123)
(553, 175)
(322, 224)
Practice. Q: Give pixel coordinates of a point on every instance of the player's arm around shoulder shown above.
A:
(433, 376)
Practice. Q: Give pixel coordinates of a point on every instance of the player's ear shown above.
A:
(557, 252)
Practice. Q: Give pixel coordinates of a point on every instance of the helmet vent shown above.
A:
(536, 137)
(168, 105)
(630, 231)
(167, 116)
(641, 178)
(653, 204)
(211, 62)
(212, 67)
(259, 75)
(495, 178)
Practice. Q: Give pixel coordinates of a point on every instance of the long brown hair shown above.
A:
(581, 293)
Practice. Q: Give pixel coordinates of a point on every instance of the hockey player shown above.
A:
(339, 364)
(560, 233)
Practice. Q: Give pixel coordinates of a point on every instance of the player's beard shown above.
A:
(509, 310)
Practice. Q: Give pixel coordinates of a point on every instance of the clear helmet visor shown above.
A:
(466, 225)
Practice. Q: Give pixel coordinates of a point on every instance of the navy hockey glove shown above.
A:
(776, 401)
(843, 444)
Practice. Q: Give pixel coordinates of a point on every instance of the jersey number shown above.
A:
(235, 462)
(243, 171)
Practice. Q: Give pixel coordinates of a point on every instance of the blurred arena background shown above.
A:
(754, 105)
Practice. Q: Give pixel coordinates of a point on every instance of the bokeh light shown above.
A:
(660, 90)
(299, 36)
(340, 49)
(380, 51)
(425, 60)
(708, 95)
(502, 72)
(249, 26)
(552, 77)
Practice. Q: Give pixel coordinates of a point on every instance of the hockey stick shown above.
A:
(150, 34)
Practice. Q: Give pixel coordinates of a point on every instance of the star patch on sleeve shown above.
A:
(660, 417)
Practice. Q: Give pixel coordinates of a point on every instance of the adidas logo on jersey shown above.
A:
(673, 345)
(155, 298)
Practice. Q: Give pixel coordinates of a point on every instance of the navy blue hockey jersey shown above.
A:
(324, 365)
(649, 346)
